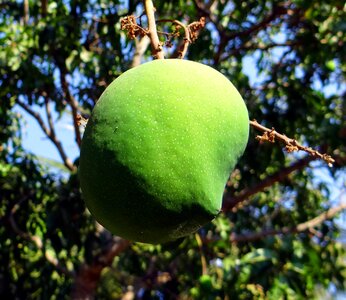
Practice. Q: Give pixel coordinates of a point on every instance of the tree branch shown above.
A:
(154, 38)
(292, 145)
(278, 11)
(44, 7)
(50, 134)
(226, 36)
(256, 46)
(73, 104)
(186, 42)
(141, 46)
(250, 237)
(231, 202)
(191, 32)
(201, 253)
(86, 281)
(26, 12)
(49, 116)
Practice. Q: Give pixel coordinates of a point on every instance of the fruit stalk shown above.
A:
(154, 38)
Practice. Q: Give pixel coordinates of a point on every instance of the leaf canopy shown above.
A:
(287, 59)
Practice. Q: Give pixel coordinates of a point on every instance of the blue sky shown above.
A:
(35, 141)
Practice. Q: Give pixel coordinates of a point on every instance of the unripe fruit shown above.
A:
(159, 147)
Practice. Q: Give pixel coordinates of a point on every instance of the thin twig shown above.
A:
(73, 104)
(191, 32)
(292, 145)
(186, 42)
(253, 236)
(231, 202)
(206, 10)
(156, 46)
(141, 47)
(26, 12)
(226, 36)
(49, 116)
(330, 213)
(49, 133)
(256, 46)
(203, 259)
(44, 7)
(278, 11)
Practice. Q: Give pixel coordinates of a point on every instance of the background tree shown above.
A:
(277, 236)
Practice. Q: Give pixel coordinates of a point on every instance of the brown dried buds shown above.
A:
(191, 31)
(129, 24)
(291, 145)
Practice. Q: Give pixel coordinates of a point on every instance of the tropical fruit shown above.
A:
(159, 147)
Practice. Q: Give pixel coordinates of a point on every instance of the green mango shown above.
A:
(159, 147)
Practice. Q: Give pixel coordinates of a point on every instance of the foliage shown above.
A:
(59, 56)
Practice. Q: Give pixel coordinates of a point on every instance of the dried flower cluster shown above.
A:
(129, 24)
(194, 29)
(191, 31)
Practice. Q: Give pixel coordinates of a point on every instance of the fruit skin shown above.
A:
(159, 147)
